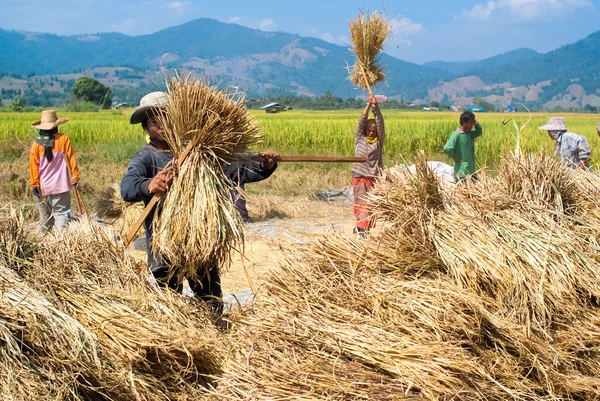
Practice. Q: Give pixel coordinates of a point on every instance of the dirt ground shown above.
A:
(263, 240)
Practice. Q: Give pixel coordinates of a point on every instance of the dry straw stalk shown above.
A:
(368, 34)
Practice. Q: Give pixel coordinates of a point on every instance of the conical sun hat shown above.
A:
(555, 124)
(49, 120)
(148, 103)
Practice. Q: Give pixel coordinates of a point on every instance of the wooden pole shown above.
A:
(362, 68)
(321, 159)
(306, 159)
(78, 198)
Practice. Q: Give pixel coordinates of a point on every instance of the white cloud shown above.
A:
(178, 5)
(527, 9)
(406, 26)
(235, 19)
(267, 24)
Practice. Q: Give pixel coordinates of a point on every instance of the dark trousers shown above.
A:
(206, 286)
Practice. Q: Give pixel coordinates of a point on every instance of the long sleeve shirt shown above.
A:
(461, 145)
(572, 149)
(372, 151)
(145, 164)
(52, 177)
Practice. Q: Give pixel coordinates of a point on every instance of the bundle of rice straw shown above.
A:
(198, 226)
(81, 320)
(368, 34)
(482, 291)
(120, 214)
(110, 204)
(42, 349)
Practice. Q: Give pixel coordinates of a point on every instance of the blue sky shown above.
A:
(425, 30)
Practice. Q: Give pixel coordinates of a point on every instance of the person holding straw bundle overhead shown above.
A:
(51, 178)
(368, 34)
(151, 172)
(368, 142)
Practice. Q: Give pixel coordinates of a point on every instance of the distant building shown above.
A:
(121, 105)
(511, 108)
(273, 108)
(475, 108)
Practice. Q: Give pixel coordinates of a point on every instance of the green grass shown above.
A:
(109, 136)
(105, 141)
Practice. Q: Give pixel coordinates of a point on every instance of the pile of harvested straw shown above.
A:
(480, 291)
(198, 226)
(79, 321)
(113, 209)
(368, 33)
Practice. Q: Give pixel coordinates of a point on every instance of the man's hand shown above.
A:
(372, 100)
(270, 158)
(161, 181)
(74, 180)
(457, 160)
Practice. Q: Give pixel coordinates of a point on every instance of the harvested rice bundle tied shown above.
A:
(368, 34)
(141, 342)
(110, 204)
(367, 335)
(121, 215)
(42, 349)
(198, 225)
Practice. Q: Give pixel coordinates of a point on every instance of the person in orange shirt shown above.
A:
(49, 175)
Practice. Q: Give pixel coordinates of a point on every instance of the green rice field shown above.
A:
(108, 135)
(105, 141)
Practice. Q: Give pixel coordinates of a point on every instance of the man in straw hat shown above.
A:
(147, 175)
(49, 175)
(572, 149)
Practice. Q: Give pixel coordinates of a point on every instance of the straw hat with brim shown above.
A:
(555, 124)
(49, 120)
(148, 103)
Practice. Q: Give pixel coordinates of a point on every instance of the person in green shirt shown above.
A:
(461, 146)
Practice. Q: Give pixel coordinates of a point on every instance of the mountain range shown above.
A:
(269, 63)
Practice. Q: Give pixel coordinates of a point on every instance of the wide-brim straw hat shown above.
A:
(49, 120)
(148, 103)
(555, 124)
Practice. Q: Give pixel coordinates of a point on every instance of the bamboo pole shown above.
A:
(306, 159)
(362, 68)
(78, 198)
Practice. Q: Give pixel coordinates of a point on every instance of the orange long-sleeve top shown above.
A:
(52, 177)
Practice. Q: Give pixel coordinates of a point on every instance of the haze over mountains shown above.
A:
(263, 63)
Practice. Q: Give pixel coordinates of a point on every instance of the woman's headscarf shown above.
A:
(46, 139)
